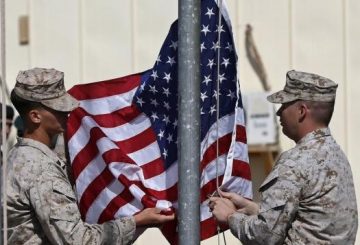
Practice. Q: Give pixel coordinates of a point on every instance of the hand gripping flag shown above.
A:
(123, 138)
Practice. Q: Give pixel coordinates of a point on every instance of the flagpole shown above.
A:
(189, 121)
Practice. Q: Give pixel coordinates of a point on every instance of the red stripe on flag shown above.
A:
(169, 194)
(210, 153)
(88, 153)
(153, 168)
(120, 200)
(208, 228)
(73, 122)
(116, 155)
(137, 142)
(241, 134)
(241, 169)
(105, 88)
(148, 201)
(111, 120)
(209, 188)
(93, 190)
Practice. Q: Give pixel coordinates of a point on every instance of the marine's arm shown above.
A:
(55, 205)
(278, 206)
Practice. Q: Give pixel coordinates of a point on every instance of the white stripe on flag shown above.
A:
(87, 176)
(224, 125)
(106, 105)
(240, 185)
(159, 182)
(103, 199)
(209, 172)
(147, 154)
(123, 132)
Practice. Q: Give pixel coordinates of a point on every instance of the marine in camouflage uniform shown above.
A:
(309, 196)
(41, 202)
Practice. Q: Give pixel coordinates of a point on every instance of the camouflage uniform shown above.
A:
(309, 196)
(42, 207)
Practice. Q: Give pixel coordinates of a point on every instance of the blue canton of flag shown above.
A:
(157, 95)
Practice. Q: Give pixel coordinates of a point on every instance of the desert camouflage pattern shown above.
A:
(308, 198)
(42, 207)
(45, 86)
(305, 86)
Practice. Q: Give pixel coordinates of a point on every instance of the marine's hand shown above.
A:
(221, 209)
(242, 204)
(152, 217)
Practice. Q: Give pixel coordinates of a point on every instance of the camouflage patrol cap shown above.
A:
(305, 86)
(45, 86)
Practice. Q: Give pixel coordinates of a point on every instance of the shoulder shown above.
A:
(27, 164)
(27, 158)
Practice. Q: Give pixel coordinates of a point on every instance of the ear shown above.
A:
(35, 116)
(303, 112)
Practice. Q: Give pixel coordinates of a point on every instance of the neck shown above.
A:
(303, 131)
(39, 135)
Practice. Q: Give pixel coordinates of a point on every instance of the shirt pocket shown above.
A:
(63, 202)
(272, 211)
(273, 203)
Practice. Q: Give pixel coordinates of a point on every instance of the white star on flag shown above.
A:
(207, 79)
(202, 47)
(161, 134)
(226, 62)
(158, 59)
(211, 63)
(205, 29)
(174, 45)
(140, 101)
(154, 102)
(154, 116)
(166, 92)
(167, 77)
(154, 75)
(153, 89)
(209, 12)
(203, 96)
(171, 60)
(215, 46)
(166, 105)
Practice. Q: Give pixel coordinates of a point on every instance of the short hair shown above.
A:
(321, 111)
(23, 106)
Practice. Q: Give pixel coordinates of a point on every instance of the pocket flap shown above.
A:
(272, 203)
(63, 202)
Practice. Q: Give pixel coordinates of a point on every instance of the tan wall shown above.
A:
(94, 40)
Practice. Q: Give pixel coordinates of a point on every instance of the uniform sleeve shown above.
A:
(55, 205)
(280, 194)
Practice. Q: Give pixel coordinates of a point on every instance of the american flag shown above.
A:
(123, 138)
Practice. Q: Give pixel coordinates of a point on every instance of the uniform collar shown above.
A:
(318, 133)
(38, 145)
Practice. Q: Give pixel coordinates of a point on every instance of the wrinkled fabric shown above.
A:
(308, 198)
(42, 207)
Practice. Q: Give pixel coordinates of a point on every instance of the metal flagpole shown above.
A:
(189, 121)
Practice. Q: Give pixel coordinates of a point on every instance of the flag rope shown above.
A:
(220, 6)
